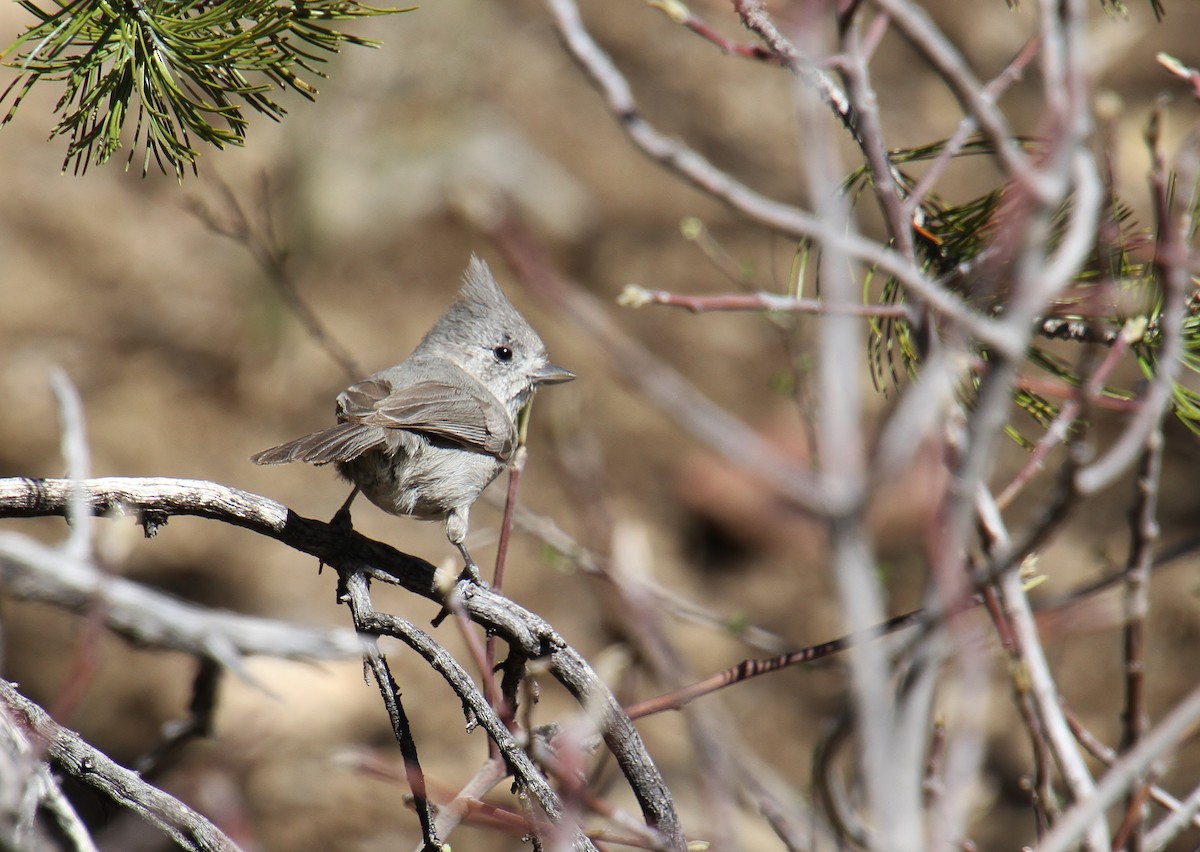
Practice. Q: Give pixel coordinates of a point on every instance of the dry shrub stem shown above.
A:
(1055, 188)
(354, 591)
(71, 755)
(911, 764)
(154, 500)
(774, 215)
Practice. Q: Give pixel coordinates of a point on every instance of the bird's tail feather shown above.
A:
(340, 443)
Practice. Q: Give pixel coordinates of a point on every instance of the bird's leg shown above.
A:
(341, 518)
(470, 569)
(341, 523)
(456, 531)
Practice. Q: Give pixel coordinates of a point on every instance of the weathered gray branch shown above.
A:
(66, 748)
(154, 500)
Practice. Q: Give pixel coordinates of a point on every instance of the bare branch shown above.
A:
(1174, 225)
(527, 774)
(156, 499)
(356, 595)
(785, 219)
(679, 13)
(756, 19)
(78, 759)
(952, 68)
(1177, 725)
(1181, 813)
(967, 125)
(30, 570)
(1041, 680)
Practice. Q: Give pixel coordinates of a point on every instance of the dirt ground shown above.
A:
(188, 362)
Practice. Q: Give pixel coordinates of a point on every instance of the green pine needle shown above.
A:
(951, 237)
(176, 70)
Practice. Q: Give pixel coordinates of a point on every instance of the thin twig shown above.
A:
(356, 595)
(1181, 813)
(272, 258)
(1143, 522)
(884, 178)
(755, 18)
(527, 775)
(1036, 668)
(34, 803)
(747, 669)
(967, 126)
(680, 13)
(635, 297)
(31, 570)
(1171, 258)
(199, 722)
(505, 699)
(1181, 722)
(953, 69)
(1042, 793)
(449, 815)
(783, 218)
(1059, 430)
(79, 547)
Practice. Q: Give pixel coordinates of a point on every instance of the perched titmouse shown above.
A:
(425, 437)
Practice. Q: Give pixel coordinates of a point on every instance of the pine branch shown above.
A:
(179, 71)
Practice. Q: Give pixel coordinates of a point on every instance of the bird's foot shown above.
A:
(342, 525)
(470, 572)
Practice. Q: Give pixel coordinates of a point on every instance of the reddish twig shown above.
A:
(1184, 72)
(1167, 735)
(1051, 725)
(1174, 222)
(635, 297)
(885, 180)
(503, 703)
(1060, 429)
(782, 218)
(1042, 792)
(755, 18)
(1143, 534)
(968, 125)
(748, 669)
(1108, 756)
(680, 13)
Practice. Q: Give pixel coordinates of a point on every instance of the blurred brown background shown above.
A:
(188, 362)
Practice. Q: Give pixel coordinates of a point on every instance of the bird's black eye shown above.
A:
(502, 353)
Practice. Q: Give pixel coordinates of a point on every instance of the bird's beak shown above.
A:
(552, 375)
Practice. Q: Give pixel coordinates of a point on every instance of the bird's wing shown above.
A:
(361, 398)
(456, 408)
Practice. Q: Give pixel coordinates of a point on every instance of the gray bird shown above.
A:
(425, 437)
